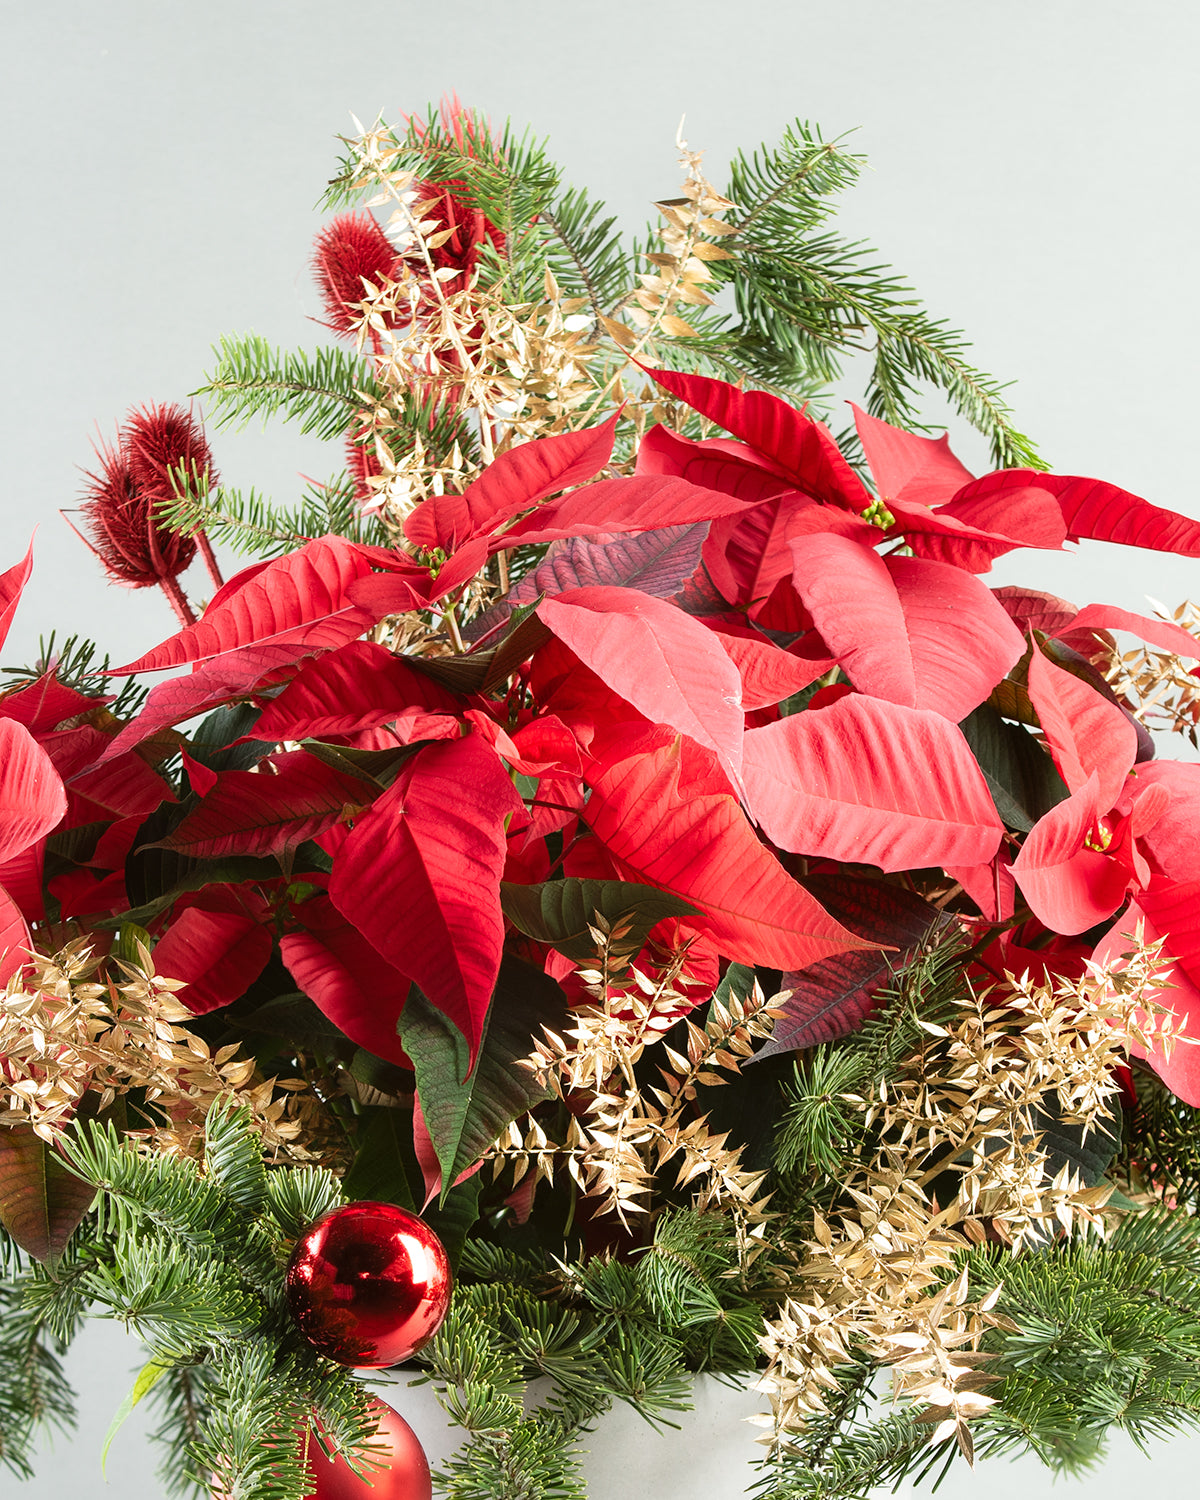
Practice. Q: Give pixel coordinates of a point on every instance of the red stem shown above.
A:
(210, 561)
(183, 610)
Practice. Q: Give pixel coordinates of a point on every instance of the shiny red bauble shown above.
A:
(368, 1284)
(394, 1443)
(406, 1476)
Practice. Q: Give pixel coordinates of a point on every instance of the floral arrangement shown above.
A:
(610, 846)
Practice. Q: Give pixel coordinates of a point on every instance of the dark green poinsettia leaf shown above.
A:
(453, 1218)
(1067, 1144)
(163, 876)
(385, 1165)
(481, 671)
(218, 742)
(834, 997)
(465, 1112)
(41, 1202)
(559, 912)
(1023, 780)
(375, 767)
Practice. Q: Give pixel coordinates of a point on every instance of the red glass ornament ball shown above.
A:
(406, 1476)
(394, 1443)
(369, 1284)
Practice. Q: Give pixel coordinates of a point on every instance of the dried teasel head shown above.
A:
(162, 440)
(122, 503)
(350, 249)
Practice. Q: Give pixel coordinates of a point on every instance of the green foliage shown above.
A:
(1162, 1143)
(322, 391)
(34, 1393)
(250, 523)
(467, 1110)
(1108, 1336)
(563, 912)
(75, 665)
(807, 297)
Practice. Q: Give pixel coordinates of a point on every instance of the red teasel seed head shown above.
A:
(159, 441)
(123, 527)
(347, 249)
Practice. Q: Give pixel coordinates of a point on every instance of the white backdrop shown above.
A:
(1033, 173)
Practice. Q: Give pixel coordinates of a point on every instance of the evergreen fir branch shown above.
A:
(1103, 1336)
(528, 1461)
(74, 664)
(249, 523)
(178, 1307)
(856, 1465)
(181, 1400)
(322, 391)
(34, 1391)
(506, 176)
(586, 252)
(1161, 1149)
(233, 1156)
(817, 1123)
(806, 298)
(171, 1195)
(801, 172)
(301, 1196)
(249, 1439)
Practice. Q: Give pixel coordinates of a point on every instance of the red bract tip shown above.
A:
(471, 227)
(136, 549)
(362, 466)
(346, 250)
(159, 440)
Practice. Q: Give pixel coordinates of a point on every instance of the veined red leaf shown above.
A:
(1068, 885)
(671, 831)
(921, 634)
(615, 505)
(907, 467)
(41, 1202)
(1164, 633)
(125, 785)
(43, 705)
(1104, 512)
(420, 875)
(21, 878)
(15, 941)
(769, 674)
(834, 997)
(658, 563)
(12, 581)
(747, 555)
(870, 782)
(1085, 734)
(224, 678)
(306, 588)
(802, 447)
(666, 664)
(358, 686)
(716, 464)
(32, 799)
(510, 484)
(1169, 911)
(218, 954)
(990, 886)
(1030, 609)
(344, 976)
(971, 533)
(1171, 843)
(265, 812)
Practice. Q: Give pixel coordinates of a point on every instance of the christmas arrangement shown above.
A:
(609, 891)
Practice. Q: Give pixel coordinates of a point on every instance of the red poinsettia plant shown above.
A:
(735, 676)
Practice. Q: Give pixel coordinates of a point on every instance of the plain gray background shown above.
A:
(1033, 173)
